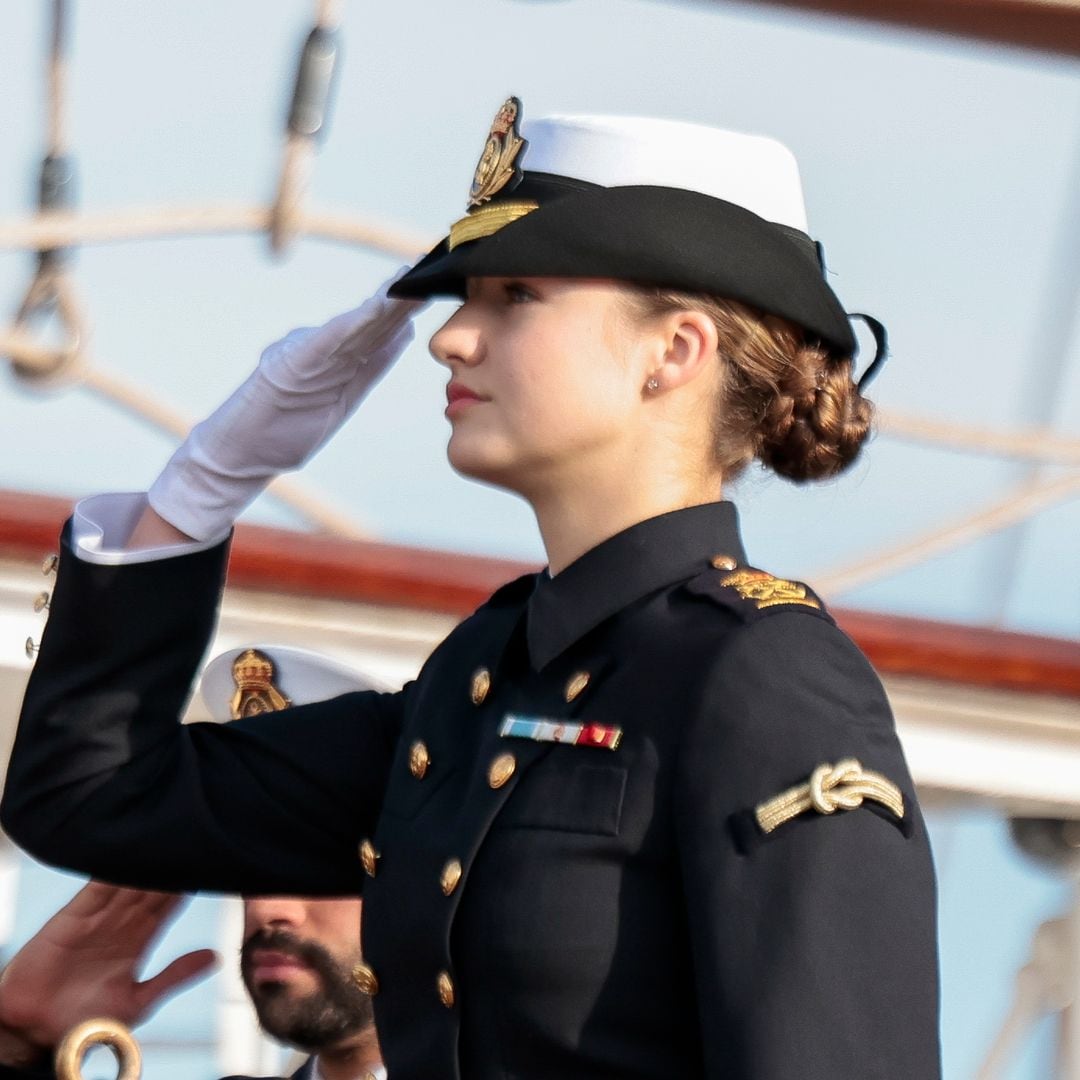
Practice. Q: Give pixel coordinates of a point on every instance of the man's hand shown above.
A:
(85, 962)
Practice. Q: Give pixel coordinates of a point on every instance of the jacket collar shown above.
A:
(643, 559)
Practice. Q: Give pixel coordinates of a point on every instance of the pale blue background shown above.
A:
(941, 175)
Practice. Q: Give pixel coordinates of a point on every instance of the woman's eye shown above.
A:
(517, 293)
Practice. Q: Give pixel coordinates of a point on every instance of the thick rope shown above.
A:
(328, 13)
(50, 231)
(160, 416)
(307, 117)
(1034, 445)
(151, 223)
(50, 292)
(57, 80)
(150, 410)
(1023, 503)
(32, 360)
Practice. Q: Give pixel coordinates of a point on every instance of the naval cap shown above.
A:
(264, 678)
(652, 202)
(752, 171)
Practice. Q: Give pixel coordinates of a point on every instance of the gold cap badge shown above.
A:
(253, 674)
(496, 167)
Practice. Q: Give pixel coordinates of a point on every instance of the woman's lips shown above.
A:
(459, 398)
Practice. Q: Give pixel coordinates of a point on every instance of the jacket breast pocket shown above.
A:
(572, 797)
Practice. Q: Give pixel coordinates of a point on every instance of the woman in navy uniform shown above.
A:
(643, 815)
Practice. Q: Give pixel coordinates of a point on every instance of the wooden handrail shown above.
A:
(1049, 25)
(279, 560)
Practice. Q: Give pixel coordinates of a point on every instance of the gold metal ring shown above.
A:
(98, 1032)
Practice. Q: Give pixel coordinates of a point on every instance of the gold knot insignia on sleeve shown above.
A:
(843, 786)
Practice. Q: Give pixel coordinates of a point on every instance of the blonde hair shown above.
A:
(785, 401)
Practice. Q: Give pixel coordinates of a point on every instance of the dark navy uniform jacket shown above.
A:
(532, 909)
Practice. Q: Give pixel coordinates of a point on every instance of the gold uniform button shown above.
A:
(369, 858)
(450, 876)
(502, 768)
(446, 989)
(419, 759)
(724, 562)
(576, 684)
(481, 686)
(365, 979)
(49, 563)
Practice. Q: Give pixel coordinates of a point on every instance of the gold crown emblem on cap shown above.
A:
(256, 692)
(496, 167)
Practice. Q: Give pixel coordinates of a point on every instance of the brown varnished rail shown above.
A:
(1048, 25)
(279, 560)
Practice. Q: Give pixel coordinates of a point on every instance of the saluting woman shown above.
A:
(644, 815)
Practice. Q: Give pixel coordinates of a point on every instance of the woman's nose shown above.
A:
(457, 340)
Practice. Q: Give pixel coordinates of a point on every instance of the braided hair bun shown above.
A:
(785, 401)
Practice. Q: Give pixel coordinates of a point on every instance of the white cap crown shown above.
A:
(751, 171)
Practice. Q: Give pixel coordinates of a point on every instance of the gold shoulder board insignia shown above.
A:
(842, 786)
(496, 167)
(768, 591)
(256, 692)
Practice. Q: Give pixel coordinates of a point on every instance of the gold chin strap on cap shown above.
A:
(842, 786)
(99, 1032)
(487, 220)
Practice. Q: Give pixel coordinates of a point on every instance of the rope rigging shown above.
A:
(46, 341)
(51, 292)
(39, 357)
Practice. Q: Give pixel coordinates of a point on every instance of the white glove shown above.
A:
(305, 387)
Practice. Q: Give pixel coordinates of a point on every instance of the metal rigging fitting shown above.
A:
(314, 81)
(305, 121)
(98, 1032)
(49, 295)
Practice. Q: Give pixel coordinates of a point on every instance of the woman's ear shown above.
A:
(690, 344)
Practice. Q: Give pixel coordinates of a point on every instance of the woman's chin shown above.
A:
(480, 464)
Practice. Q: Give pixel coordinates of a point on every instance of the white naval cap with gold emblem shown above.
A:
(264, 678)
(652, 202)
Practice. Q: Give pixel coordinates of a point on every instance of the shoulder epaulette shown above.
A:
(750, 592)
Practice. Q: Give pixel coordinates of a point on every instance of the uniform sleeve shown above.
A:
(102, 524)
(104, 780)
(14, 1072)
(815, 945)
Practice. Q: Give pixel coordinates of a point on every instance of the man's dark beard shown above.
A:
(336, 1010)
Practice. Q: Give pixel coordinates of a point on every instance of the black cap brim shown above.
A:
(656, 236)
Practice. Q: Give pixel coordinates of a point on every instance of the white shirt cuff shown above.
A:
(101, 525)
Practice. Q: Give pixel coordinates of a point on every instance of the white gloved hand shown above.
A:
(305, 387)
